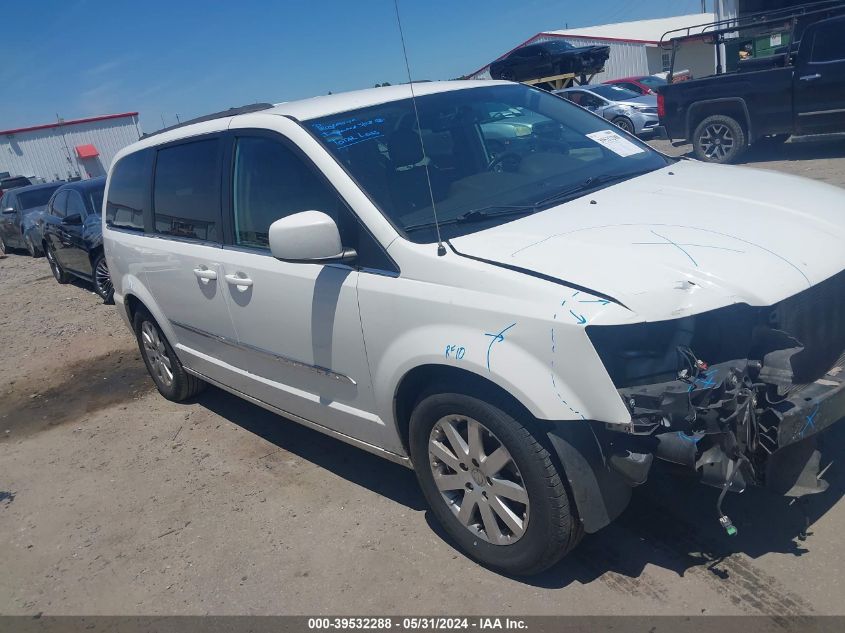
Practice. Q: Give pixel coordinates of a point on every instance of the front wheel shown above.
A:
(31, 248)
(58, 272)
(624, 123)
(102, 280)
(719, 139)
(491, 484)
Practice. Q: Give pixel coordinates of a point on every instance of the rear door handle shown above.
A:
(810, 77)
(205, 274)
(235, 280)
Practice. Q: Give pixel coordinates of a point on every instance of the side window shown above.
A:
(186, 190)
(75, 204)
(129, 192)
(271, 181)
(829, 45)
(57, 207)
(631, 87)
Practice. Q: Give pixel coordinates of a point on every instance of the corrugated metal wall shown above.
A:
(626, 59)
(50, 153)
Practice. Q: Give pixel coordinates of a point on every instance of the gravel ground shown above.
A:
(116, 501)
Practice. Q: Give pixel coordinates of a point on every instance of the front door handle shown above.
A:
(235, 280)
(205, 274)
(810, 77)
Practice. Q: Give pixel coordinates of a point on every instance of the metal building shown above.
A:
(634, 47)
(66, 150)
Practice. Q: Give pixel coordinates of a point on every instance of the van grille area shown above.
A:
(816, 317)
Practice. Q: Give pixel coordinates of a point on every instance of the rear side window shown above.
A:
(186, 190)
(129, 192)
(829, 45)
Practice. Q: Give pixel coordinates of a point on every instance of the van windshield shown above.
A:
(488, 155)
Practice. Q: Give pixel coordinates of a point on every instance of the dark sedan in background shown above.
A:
(20, 212)
(73, 236)
(548, 59)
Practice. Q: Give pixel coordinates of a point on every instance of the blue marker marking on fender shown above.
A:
(497, 338)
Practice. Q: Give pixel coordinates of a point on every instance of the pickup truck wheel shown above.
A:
(719, 139)
(625, 123)
(493, 487)
(167, 372)
(58, 272)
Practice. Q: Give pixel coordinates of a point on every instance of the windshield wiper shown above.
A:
(478, 215)
(591, 183)
(499, 210)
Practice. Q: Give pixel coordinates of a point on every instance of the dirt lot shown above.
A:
(115, 501)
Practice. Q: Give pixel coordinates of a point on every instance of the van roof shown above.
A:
(303, 109)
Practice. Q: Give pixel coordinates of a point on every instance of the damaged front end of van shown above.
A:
(742, 394)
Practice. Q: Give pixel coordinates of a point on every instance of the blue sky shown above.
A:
(189, 57)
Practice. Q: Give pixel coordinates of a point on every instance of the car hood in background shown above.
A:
(682, 240)
(648, 101)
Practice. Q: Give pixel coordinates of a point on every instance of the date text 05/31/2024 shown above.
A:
(420, 623)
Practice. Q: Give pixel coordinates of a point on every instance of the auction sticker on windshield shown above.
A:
(615, 143)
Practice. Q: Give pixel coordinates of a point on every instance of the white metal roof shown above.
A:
(647, 31)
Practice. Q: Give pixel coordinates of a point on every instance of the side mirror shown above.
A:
(308, 237)
(76, 218)
(9, 211)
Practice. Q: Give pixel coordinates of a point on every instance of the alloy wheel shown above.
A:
(102, 279)
(54, 265)
(625, 124)
(717, 141)
(478, 479)
(156, 354)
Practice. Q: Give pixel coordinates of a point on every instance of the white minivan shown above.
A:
(527, 323)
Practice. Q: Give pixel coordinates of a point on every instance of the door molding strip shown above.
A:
(396, 458)
(323, 371)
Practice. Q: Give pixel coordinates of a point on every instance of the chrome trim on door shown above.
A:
(370, 448)
(324, 371)
(836, 111)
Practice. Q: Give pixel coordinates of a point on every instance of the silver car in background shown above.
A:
(633, 113)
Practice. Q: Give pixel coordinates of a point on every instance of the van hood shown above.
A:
(684, 239)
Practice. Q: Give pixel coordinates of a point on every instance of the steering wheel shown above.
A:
(506, 161)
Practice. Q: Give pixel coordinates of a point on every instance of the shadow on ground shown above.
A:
(671, 521)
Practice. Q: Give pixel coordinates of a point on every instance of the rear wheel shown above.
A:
(102, 280)
(719, 139)
(624, 123)
(491, 484)
(58, 272)
(167, 372)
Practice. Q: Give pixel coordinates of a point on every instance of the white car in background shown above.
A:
(527, 329)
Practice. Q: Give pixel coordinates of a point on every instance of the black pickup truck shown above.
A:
(801, 90)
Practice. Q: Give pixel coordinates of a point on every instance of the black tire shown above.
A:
(102, 280)
(719, 139)
(552, 528)
(58, 272)
(31, 248)
(182, 385)
(624, 123)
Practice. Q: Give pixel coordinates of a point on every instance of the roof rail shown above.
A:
(245, 109)
(751, 20)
